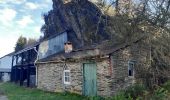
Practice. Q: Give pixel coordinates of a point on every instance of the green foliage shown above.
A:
(139, 92)
(96, 98)
(119, 96)
(21, 42)
(31, 41)
(122, 96)
(167, 86)
(15, 92)
(135, 90)
(160, 94)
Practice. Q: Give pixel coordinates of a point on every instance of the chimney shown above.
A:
(68, 47)
(66, 1)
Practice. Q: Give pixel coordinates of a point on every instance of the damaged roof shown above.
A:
(105, 48)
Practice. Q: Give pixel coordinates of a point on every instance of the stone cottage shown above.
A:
(101, 69)
(72, 58)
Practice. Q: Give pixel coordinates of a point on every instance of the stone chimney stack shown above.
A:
(76, 1)
(68, 47)
(66, 1)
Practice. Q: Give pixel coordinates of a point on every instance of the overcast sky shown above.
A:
(20, 17)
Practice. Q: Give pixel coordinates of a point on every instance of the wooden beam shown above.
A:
(11, 75)
(21, 76)
(28, 76)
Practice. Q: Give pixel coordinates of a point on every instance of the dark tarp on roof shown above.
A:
(102, 49)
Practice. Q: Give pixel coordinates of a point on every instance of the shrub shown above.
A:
(135, 91)
(96, 98)
(159, 94)
(166, 86)
(119, 96)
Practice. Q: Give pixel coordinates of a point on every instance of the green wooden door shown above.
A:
(89, 70)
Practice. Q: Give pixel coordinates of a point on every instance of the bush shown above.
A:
(166, 86)
(135, 91)
(159, 94)
(119, 96)
(96, 98)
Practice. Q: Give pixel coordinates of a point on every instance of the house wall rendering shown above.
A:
(6, 62)
(5, 67)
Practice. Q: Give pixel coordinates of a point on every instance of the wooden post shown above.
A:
(21, 70)
(21, 76)
(15, 75)
(28, 76)
(11, 76)
(16, 59)
(29, 56)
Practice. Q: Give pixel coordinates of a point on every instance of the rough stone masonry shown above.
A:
(112, 72)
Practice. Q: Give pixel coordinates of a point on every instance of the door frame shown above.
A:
(83, 86)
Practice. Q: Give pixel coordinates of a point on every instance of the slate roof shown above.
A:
(5, 70)
(27, 48)
(10, 54)
(104, 48)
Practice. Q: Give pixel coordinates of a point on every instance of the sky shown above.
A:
(20, 17)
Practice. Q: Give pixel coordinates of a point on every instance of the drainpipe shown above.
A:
(36, 80)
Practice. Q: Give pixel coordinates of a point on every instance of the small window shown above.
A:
(67, 77)
(131, 65)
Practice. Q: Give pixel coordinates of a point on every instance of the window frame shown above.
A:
(69, 77)
(133, 72)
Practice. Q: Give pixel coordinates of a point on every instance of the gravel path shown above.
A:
(2, 96)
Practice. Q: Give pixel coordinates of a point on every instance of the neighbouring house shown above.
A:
(5, 67)
(101, 69)
(23, 66)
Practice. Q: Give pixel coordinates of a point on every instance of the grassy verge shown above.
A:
(14, 92)
(136, 92)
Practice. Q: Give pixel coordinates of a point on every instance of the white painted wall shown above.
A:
(5, 65)
(6, 77)
(6, 62)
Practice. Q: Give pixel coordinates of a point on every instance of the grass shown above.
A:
(14, 92)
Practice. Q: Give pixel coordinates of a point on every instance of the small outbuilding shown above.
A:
(101, 69)
(23, 66)
(5, 67)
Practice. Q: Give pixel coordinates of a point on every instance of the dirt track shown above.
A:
(2, 95)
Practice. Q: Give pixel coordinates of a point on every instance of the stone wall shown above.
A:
(138, 53)
(103, 78)
(112, 72)
(50, 77)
